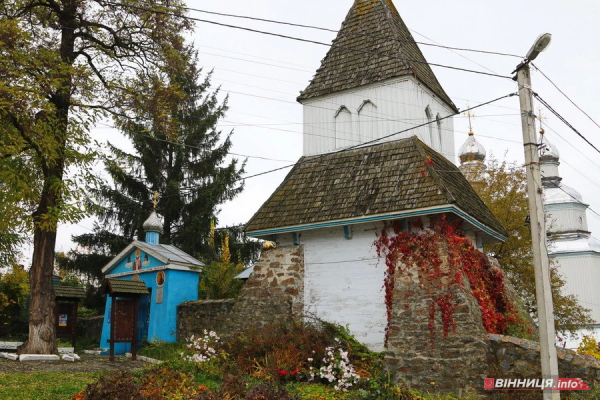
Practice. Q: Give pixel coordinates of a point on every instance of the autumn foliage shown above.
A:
(419, 250)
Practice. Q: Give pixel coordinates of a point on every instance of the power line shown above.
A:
(353, 33)
(314, 159)
(306, 40)
(563, 93)
(564, 120)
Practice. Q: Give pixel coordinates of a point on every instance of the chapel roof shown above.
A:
(377, 180)
(372, 45)
(165, 253)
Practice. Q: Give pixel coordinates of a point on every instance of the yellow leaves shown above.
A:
(589, 346)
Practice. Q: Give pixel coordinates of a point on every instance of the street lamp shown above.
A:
(541, 43)
(541, 263)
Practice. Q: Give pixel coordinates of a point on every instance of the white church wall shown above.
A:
(581, 274)
(375, 111)
(567, 217)
(344, 280)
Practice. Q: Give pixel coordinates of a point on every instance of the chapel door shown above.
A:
(124, 321)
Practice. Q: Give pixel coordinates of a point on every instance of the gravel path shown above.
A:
(88, 363)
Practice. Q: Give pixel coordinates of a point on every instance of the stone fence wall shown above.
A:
(274, 291)
(520, 358)
(195, 316)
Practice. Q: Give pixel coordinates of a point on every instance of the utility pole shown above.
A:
(541, 264)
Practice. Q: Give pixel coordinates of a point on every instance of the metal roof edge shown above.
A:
(153, 269)
(384, 217)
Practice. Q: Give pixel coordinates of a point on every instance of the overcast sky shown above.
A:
(264, 74)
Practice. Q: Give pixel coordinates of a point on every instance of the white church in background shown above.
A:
(571, 248)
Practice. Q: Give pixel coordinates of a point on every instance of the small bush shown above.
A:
(268, 392)
(114, 385)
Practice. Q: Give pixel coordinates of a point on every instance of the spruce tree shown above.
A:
(178, 152)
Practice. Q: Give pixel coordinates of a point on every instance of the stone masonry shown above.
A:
(195, 316)
(275, 290)
(520, 358)
(456, 364)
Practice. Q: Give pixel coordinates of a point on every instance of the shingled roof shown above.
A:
(124, 287)
(377, 180)
(372, 45)
(69, 292)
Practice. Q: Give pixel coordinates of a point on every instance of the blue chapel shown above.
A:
(165, 277)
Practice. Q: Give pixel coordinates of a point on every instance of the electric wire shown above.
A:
(560, 117)
(314, 159)
(564, 94)
(305, 40)
(336, 31)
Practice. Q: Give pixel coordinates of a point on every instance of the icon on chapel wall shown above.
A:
(137, 263)
(160, 278)
(146, 260)
(128, 264)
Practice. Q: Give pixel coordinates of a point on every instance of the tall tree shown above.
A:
(178, 152)
(62, 64)
(503, 188)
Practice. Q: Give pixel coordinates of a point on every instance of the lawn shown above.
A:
(44, 385)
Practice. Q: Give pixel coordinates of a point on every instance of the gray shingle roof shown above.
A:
(122, 286)
(69, 292)
(372, 45)
(367, 181)
(171, 253)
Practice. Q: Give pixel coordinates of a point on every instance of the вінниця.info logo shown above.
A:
(535, 384)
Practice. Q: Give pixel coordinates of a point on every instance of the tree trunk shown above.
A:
(42, 325)
(42, 329)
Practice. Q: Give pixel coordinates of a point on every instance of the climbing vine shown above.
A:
(440, 258)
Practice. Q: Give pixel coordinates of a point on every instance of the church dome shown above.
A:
(471, 150)
(549, 152)
(153, 223)
(556, 192)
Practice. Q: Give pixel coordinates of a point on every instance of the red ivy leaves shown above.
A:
(421, 251)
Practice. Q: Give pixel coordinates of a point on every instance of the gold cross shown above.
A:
(155, 199)
(468, 114)
(541, 118)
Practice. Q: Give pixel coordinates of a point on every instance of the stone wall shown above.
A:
(520, 358)
(456, 364)
(193, 317)
(275, 290)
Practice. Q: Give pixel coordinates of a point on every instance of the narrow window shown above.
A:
(429, 116)
(343, 128)
(438, 120)
(367, 124)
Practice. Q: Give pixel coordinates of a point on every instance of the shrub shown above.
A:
(114, 385)
(202, 348)
(268, 392)
(279, 346)
(590, 347)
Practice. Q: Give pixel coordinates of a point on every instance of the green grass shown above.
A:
(162, 351)
(44, 385)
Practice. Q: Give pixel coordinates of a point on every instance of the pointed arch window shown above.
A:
(438, 121)
(367, 122)
(429, 116)
(343, 127)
